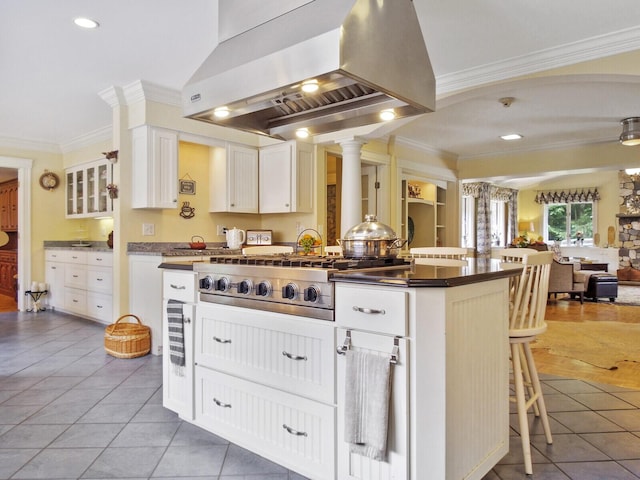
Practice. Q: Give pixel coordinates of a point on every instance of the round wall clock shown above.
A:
(49, 180)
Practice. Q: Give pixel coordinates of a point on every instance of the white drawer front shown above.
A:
(100, 279)
(75, 300)
(257, 417)
(179, 286)
(99, 307)
(376, 310)
(297, 355)
(56, 255)
(75, 276)
(76, 256)
(100, 259)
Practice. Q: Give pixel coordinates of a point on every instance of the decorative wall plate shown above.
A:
(49, 180)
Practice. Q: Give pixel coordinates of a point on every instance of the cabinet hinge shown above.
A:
(376, 185)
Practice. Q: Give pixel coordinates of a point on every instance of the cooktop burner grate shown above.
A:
(300, 261)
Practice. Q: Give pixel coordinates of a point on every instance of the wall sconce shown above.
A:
(630, 135)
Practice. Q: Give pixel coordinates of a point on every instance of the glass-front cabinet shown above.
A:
(86, 189)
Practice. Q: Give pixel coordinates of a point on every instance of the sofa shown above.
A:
(566, 278)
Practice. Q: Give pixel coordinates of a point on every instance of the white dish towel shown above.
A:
(367, 393)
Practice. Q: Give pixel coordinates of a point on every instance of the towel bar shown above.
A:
(393, 357)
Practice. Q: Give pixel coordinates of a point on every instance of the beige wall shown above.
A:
(607, 207)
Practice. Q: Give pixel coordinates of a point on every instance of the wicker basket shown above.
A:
(126, 339)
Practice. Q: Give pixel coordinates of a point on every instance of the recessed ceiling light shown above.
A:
(302, 133)
(310, 86)
(221, 112)
(387, 114)
(85, 22)
(511, 136)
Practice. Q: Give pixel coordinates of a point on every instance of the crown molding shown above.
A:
(423, 147)
(112, 96)
(33, 145)
(590, 49)
(88, 139)
(142, 90)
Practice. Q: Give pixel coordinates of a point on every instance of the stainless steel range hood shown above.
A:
(366, 55)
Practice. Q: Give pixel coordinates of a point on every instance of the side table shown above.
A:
(35, 297)
(594, 266)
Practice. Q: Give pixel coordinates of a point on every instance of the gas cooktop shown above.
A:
(308, 261)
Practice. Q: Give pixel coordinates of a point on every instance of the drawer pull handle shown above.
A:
(75, 276)
(371, 311)
(99, 279)
(221, 404)
(222, 340)
(294, 357)
(178, 287)
(293, 432)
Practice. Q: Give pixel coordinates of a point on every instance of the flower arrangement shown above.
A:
(521, 241)
(113, 190)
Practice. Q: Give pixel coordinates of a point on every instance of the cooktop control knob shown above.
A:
(311, 294)
(206, 283)
(245, 287)
(290, 291)
(264, 289)
(223, 284)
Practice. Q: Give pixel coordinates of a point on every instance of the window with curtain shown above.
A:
(498, 223)
(569, 223)
(569, 216)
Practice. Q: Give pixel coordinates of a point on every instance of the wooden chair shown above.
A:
(267, 250)
(333, 250)
(527, 309)
(458, 253)
(516, 254)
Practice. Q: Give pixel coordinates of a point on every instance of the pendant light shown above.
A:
(630, 135)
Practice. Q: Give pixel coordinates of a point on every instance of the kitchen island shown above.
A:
(274, 383)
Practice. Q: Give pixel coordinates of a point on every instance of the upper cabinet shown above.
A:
(233, 184)
(86, 189)
(155, 168)
(286, 178)
(9, 206)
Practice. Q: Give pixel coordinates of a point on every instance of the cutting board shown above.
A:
(611, 236)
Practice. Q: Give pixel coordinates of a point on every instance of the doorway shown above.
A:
(370, 194)
(21, 168)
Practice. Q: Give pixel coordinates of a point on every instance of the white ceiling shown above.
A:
(52, 71)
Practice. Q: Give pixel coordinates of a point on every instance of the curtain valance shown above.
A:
(590, 194)
(495, 193)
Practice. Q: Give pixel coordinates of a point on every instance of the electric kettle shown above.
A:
(235, 238)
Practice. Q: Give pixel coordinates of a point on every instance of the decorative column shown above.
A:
(351, 211)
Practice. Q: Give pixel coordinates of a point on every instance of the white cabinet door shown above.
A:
(354, 466)
(177, 382)
(233, 185)
(155, 168)
(286, 178)
(54, 276)
(86, 189)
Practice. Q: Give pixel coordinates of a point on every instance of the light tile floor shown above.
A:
(69, 411)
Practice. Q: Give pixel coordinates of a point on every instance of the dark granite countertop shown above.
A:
(473, 270)
(182, 265)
